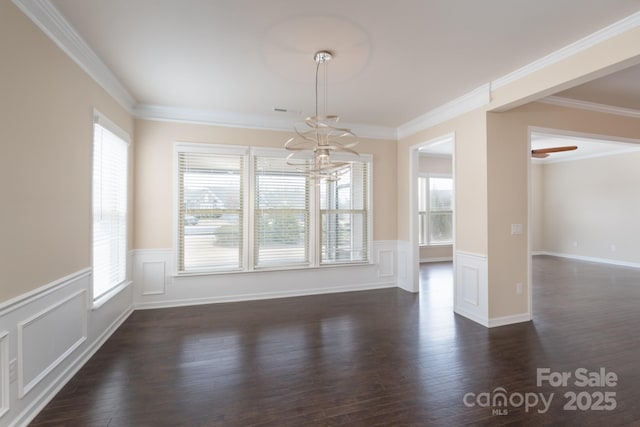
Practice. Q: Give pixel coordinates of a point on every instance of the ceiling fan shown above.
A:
(541, 153)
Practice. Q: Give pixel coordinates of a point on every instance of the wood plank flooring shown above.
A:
(372, 358)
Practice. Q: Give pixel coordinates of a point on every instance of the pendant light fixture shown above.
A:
(318, 139)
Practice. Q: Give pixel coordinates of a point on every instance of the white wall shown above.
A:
(537, 207)
(590, 209)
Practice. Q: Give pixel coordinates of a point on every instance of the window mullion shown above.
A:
(314, 222)
(249, 250)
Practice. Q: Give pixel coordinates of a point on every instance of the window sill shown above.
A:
(270, 269)
(99, 302)
(436, 245)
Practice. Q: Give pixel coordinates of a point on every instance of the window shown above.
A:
(246, 210)
(435, 210)
(109, 206)
(211, 209)
(281, 213)
(344, 216)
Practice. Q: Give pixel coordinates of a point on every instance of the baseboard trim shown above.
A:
(471, 316)
(509, 320)
(261, 296)
(590, 259)
(30, 412)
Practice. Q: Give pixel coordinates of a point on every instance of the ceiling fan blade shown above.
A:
(554, 149)
(539, 155)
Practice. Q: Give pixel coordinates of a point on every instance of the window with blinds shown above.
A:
(281, 213)
(109, 207)
(423, 210)
(344, 216)
(440, 210)
(435, 210)
(211, 214)
(242, 209)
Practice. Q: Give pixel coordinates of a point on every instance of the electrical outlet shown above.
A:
(574, 244)
(13, 370)
(613, 248)
(519, 288)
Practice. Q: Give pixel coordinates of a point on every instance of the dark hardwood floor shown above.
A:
(373, 358)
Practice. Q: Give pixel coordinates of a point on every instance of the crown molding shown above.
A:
(615, 29)
(45, 15)
(247, 121)
(372, 131)
(590, 106)
(470, 101)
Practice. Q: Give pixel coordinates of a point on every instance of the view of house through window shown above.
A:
(244, 210)
(281, 213)
(435, 210)
(109, 207)
(211, 214)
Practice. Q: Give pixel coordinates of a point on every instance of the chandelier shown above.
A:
(318, 138)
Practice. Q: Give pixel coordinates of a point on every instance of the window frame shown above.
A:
(367, 208)
(428, 211)
(200, 148)
(255, 153)
(102, 120)
(249, 192)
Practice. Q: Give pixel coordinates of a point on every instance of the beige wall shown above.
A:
(46, 109)
(435, 165)
(470, 179)
(508, 183)
(596, 204)
(154, 205)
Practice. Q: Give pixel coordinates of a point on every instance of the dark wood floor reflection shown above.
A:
(374, 358)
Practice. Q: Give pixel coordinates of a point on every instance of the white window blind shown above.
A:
(109, 209)
(211, 215)
(281, 213)
(344, 216)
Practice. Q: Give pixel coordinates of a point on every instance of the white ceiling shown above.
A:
(394, 61)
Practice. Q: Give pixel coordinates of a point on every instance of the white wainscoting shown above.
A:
(4, 373)
(39, 350)
(471, 293)
(385, 259)
(405, 266)
(157, 286)
(50, 333)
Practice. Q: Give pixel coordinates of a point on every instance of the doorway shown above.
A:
(583, 201)
(432, 205)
